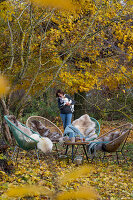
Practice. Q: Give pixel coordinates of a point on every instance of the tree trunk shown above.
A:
(5, 128)
(80, 105)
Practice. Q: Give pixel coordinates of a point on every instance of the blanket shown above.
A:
(72, 131)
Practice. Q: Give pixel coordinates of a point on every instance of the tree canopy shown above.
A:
(82, 49)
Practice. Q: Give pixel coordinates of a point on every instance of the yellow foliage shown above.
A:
(75, 174)
(108, 182)
(64, 32)
(6, 10)
(61, 4)
(28, 190)
(82, 193)
(4, 86)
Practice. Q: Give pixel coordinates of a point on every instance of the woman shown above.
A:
(66, 106)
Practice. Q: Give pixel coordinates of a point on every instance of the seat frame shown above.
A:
(120, 147)
(82, 144)
(45, 122)
(48, 124)
(18, 145)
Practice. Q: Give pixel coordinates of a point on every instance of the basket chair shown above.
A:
(97, 131)
(117, 144)
(47, 123)
(23, 140)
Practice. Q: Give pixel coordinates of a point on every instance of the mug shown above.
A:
(72, 139)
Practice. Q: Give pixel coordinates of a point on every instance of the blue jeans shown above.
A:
(66, 119)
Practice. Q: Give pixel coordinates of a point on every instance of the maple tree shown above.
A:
(86, 49)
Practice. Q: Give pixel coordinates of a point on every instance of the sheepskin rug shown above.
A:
(86, 126)
(44, 143)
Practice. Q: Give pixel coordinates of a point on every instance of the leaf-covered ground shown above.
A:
(105, 180)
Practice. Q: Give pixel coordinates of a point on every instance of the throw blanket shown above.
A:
(72, 131)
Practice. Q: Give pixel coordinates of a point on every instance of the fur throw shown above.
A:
(108, 138)
(44, 143)
(24, 129)
(86, 126)
(37, 126)
(100, 143)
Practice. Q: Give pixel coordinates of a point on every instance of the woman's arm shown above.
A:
(60, 105)
(70, 98)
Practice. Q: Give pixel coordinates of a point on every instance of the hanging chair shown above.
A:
(23, 140)
(47, 123)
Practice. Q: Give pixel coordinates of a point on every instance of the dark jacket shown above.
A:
(64, 109)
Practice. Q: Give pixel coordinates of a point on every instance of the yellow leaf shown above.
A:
(67, 4)
(4, 86)
(27, 190)
(82, 193)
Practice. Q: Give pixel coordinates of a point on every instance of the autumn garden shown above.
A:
(85, 48)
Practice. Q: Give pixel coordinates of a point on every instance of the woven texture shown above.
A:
(23, 140)
(124, 131)
(47, 123)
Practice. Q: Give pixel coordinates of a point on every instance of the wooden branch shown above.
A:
(11, 44)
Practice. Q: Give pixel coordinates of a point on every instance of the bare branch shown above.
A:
(11, 44)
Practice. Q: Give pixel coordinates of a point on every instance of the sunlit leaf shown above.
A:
(28, 190)
(61, 4)
(4, 86)
(82, 193)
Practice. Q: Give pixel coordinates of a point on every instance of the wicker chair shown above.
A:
(47, 123)
(23, 140)
(97, 131)
(116, 145)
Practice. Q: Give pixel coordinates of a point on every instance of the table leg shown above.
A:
(85, 151)
(66, 150)
(56, 149)
(72, 152)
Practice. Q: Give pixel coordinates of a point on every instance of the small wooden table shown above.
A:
(83, 144)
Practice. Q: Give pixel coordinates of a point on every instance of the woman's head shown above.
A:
(59, 93)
